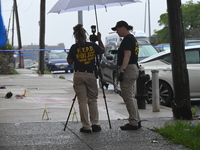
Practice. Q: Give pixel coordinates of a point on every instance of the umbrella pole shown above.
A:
(96, 18)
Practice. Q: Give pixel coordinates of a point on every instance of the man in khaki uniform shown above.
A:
(128, 72)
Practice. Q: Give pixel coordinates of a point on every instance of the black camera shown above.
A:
(93, 37)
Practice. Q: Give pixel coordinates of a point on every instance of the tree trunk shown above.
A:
(181, 106)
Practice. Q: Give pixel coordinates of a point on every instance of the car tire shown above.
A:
(71, 70)
(165, 93)
(66, 71)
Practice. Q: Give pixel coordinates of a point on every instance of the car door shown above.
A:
(193, 66)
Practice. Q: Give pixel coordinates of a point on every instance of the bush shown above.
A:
(7, 60)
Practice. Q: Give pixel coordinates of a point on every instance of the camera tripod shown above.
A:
(104, 96)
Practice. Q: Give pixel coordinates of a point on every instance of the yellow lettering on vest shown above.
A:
(87, 62)
(90, 54)
(78, 50)
(77, 56)
(82, 55)
(136, 48)
(91, 48)
(90, 59)
(87, 49)
(82, 60)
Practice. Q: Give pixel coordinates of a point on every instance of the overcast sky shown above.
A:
(59, 26)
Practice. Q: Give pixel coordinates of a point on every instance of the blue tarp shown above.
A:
(2, 30)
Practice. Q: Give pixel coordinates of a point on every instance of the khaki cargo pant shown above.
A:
(85, 86)
(128, 93)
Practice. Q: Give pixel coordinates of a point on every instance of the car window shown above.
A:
(146, 50)
(58, 55)
(192, 57)
(62, 55)
(28, 62)
(109, 49)
(194, 43)
(167, 58)
(191, 43)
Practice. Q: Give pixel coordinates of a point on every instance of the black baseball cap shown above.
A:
(122, 24)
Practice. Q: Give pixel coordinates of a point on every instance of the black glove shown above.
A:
(121, 76)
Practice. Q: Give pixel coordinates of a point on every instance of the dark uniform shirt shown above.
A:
(128, 43)
(84, 58)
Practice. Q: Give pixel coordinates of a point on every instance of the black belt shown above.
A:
(84, 71)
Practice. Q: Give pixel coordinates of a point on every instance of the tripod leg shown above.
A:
(70, 112)
(104, 96)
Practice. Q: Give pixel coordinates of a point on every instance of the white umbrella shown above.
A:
(78, 5)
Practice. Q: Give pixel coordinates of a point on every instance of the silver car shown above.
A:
(162, 63)
(28, 63)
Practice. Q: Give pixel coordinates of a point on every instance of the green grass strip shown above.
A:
(183, 133)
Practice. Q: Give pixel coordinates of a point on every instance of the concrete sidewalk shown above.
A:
(23, 126)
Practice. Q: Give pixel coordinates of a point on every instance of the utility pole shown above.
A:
(145, 16)
(42, 36)
(149, 18)
(181, 106)
(80, 17)
(21, 58)
(13, 26)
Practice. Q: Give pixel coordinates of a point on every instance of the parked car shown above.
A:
(108, 64)
(166, 46)
(162, 63)
(28, 63)
(56, 61)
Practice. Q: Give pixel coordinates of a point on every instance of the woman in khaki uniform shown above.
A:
(83, 55)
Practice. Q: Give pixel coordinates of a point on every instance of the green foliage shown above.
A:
(191, 15)
(45, 72)
(163, 35)
(7, 46)
(191, 22)
(7, 60)
(182, 133)
(163, 20)
(61, 77)
(15, 72)
(194, 111)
